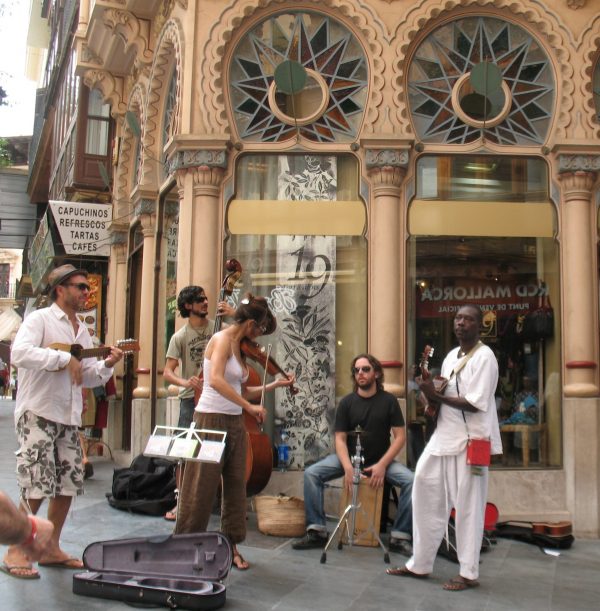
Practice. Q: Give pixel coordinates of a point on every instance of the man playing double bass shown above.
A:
(186, 352)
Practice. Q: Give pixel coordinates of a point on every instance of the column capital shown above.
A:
(578, 163)
(118, 241)
(145, 207)
(145, 210)
(207, 180)
(378, 158)
(577, 184)
(386, 167)
(118, 235)
(197, 158)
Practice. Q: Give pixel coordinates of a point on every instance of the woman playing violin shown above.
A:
(223, 400)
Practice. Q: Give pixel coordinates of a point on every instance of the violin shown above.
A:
(257, 353)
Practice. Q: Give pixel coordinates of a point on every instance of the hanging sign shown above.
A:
(83, 228)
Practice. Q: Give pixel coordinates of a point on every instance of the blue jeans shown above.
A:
(330, 468)
(186, 412)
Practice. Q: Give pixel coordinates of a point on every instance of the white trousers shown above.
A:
(441, 483)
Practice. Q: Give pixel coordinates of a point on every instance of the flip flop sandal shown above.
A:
(402, 571)
(9, 570)
(72, 564)
(458, 584)
(238, 562)
(171, 516)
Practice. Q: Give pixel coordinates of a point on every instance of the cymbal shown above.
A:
(358, 431)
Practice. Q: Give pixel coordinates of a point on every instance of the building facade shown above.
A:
(372, 165)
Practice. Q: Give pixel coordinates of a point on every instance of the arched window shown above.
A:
(329, 105)
(481, 77)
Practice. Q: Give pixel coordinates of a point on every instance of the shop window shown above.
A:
(509, 275)
(481, 77)
(328, 108)
(284, 229)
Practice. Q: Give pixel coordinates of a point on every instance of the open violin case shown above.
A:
(176, 571)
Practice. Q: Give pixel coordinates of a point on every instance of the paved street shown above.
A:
(514, 576)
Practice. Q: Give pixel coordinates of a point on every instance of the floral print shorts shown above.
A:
(49, 458)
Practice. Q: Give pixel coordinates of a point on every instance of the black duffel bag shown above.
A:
(147, 486)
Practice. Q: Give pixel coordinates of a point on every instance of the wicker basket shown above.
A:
(281, 516)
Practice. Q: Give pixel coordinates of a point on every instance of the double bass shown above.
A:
(259, 456)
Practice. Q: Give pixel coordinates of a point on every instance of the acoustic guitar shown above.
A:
(128, 346)
(553, 529)
(431, 407)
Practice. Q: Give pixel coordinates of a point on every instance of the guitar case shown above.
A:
(176, 571)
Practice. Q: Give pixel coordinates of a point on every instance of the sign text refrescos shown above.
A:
(83, 227)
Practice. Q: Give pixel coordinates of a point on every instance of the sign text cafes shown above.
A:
(503, 298)
(83, 228)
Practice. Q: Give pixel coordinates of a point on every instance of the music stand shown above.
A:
(350, 511)
(181, 444)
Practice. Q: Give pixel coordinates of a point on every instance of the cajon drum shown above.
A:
(369, 500)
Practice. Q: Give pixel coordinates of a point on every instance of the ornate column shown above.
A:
(145, 210)
(199, 176)
(581, 406)
(386, 169)
(578, 173)
(117, 283)
(116, 305)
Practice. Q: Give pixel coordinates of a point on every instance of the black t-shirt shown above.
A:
(375, 415)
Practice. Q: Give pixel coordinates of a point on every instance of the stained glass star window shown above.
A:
(318, 43)
(452, 51)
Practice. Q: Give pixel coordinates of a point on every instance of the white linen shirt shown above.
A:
(476, 382)
(45, 386)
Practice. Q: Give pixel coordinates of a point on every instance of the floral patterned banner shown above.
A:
(306, 342)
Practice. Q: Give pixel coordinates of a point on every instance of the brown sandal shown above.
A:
(402, 571)
(458, 584)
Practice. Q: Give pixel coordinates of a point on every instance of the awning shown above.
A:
(10, 321)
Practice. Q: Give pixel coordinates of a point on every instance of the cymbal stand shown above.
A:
(350, 511)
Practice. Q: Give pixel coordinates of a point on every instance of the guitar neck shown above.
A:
(87, 353)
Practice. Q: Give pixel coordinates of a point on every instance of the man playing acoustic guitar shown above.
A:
(48, 411)
(449, 474)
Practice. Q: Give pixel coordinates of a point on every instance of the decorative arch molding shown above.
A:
(244, 12)
(533, 16)
(168, 49)
(134, 32)
(590, 46)
(123, 176)
(111, 88)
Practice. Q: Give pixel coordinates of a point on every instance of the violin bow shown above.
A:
(264, 384)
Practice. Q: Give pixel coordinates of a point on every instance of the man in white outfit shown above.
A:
(443, 480)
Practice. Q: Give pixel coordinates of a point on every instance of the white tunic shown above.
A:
(443, 479)
(45, 387)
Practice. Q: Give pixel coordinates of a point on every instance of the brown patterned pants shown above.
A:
(201, 482)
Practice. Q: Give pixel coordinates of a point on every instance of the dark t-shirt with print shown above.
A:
(375, 415)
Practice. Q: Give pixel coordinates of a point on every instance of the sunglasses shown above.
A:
(201, 299)
(365, 369)
(82, 286)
